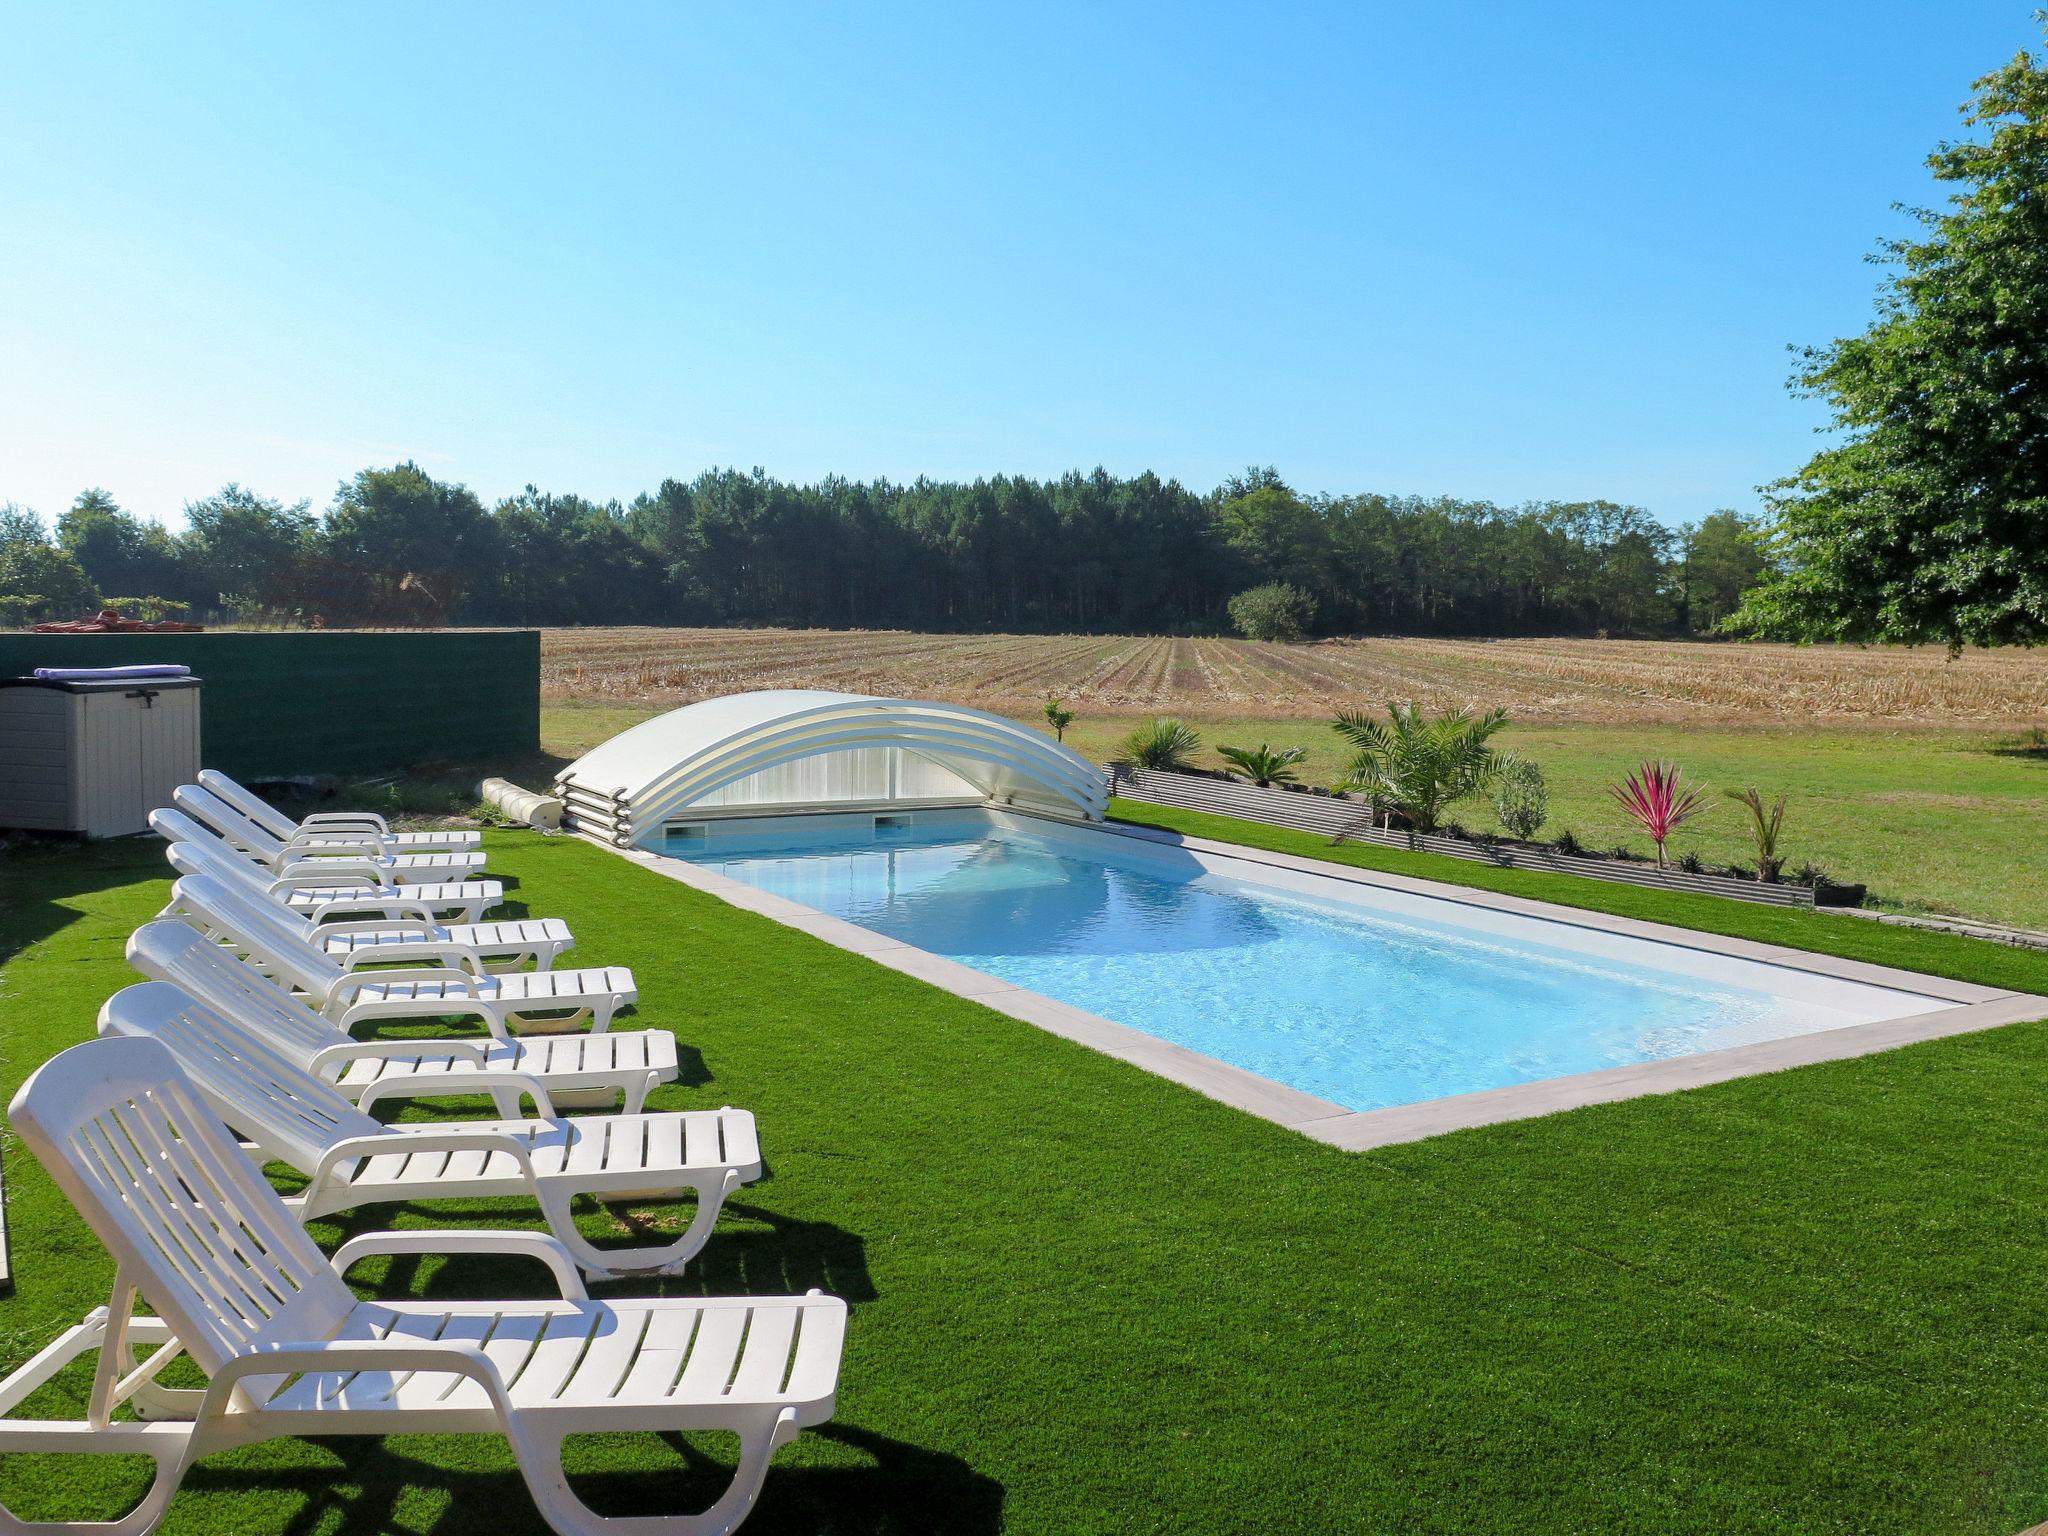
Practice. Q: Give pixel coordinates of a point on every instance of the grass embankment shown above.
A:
(1087, 1300)
(1952, 821)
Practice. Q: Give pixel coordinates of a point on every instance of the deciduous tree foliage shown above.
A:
(1082, 552)
(1928, 519)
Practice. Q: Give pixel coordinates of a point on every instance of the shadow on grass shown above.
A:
(753, 1252)
(39, 874)
(2033, 746)
(882, 1487)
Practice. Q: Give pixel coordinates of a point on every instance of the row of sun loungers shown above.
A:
(281, 940)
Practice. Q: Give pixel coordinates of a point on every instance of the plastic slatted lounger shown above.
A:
(323, 887)
(351, 1160)
(276, 855)
(349, 824)
(236, 1284)
(456, 984)
(505, 946)
(620, 1065)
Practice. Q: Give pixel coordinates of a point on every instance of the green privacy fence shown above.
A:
(342, 702)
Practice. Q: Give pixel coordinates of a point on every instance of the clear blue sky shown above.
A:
(1503, 250)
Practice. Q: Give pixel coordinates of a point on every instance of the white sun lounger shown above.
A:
(620, 1065)
(350, 1160)
(351, 824)
(505, 946)
(277, 855)
(237, 1285)
(453, 984)
(318, 886)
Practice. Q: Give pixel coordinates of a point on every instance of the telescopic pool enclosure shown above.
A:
(793, 750)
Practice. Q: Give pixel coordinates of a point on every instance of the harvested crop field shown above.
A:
(1592, 681)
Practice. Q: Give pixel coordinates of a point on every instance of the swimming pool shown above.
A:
(1357, 994)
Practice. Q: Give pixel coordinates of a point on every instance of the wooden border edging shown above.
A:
(1339, 817)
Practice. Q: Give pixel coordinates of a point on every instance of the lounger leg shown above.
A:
(540, 1463)
(168, 1445)
(527, 1024)
(669, 1258)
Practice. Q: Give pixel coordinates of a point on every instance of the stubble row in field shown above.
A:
(1595, 681)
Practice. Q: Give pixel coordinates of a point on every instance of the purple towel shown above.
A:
(106, 674)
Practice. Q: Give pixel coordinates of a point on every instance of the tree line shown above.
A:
(1088, 552)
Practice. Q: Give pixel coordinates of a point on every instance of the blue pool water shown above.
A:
(1363, 1007)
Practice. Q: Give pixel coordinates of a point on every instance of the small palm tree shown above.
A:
(1262, 765)
(1165, 744)
(1764, 826)
(1421, 766)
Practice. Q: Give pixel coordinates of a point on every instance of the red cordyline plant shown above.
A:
(1653, 796)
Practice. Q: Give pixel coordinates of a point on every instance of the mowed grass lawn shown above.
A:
(1087, 1300)
(1952, 821)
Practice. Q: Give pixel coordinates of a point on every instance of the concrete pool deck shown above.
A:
(1967, 1007)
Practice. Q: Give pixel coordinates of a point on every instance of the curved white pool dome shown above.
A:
(795, 749)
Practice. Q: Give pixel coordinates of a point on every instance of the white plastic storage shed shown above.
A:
(94, 757)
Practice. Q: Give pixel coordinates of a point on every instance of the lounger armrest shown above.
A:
(350, 983)
(451, 1085)
(360, 838)
(318, 869)
(461, 958)
(336, 1056)
(398, 1142)
(391, 912)
(492, 1019)
(535, 1245)
(296, 876)
(368, 820)
(429, 932)
(284, 1360)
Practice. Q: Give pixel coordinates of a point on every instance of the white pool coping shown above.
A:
(1966, 1006)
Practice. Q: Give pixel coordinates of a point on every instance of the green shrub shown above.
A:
(1058, 716)
(149, 609)
(1521, 799)
(1274, 611)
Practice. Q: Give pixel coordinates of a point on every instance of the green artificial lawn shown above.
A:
(1087, 1300)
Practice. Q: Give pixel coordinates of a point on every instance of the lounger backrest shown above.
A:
(250, 804)
(214, 857)
(229, 824)
(181, 1208)
(290, 1114)
(178, 829)
(264, 929)
(182, 955)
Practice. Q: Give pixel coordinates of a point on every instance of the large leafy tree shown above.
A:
(404, 548)
(1927, 520)
(246, 549)
(119, 551)
(1723, 559)
(37, 579)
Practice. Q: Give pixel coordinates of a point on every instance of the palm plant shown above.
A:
(1421, 766)
(1658, 802)
(1764, 826)
(1165, 744)
(1262, 764)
